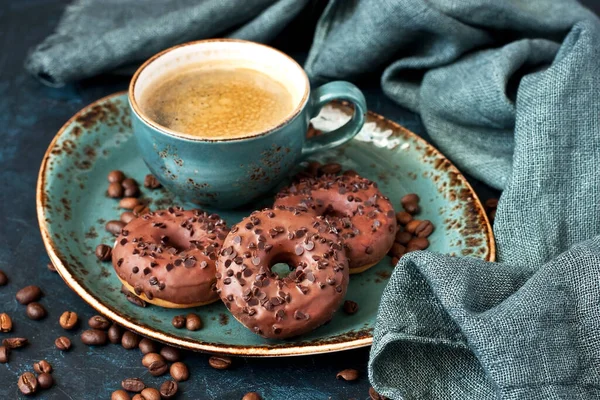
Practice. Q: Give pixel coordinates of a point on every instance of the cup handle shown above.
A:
(330, 91)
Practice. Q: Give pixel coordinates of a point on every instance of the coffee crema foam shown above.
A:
(217, 101)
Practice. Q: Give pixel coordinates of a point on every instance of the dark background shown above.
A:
(30, 115)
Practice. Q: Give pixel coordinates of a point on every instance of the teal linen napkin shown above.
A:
(510, 90)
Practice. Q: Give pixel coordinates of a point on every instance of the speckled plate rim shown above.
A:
(362, 340)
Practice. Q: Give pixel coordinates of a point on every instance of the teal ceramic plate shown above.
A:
(73, 208)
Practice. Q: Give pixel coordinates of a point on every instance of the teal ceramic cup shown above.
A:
(225, 172)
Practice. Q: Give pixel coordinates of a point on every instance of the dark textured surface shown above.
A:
(30, 115)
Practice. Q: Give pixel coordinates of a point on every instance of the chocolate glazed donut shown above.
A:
(353, 205)
(274, 306)
(167, 257)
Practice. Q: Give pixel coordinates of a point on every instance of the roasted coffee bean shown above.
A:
(3, 278)
(51, 267)
(168, 389)
(131, 191)
(129, 182)
(4, 354)
(130, 340)
(347, 375)
(350, 172)
(403, 237)
(63, 343)
(170, 354)
(149, 358)
(220, 362)
(133, 385)
(135, 300)
(42, 367)
(114, 227)
(151, 182)
(99, 322)
(252, 396)
(410, 202)
(376, 396)
(115, 332)
(129, 203)
(115, 190)
(45, 381)
(398, 250)
(148, 346)
(313, 168)
(424, 229)
(140, 210)
(138, 397)
(15, 342)
(491, 204)
(158, 368)
(5, 323)
(178, 321)
(28, 294)
(403, 217)
(350, 307)
(28, 384)
(179, 371)
(330, 169)
(193, 322)
(68, 320)
(116, 176)
(94, 337)
(103, 252)
(150, 394)
(36, 311)
(127, 217)
(417, 244)
(411, 227)
(120, 395)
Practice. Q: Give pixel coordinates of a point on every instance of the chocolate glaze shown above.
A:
(170, 255)
(275, 307)
(354, 206)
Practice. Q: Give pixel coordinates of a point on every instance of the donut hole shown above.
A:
(333, 212)
(282, 269)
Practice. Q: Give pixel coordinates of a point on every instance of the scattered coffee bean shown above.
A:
(150, 394)
(350, 307)
(410, 202)
(5, 323)
(138, 397)
(127, 217)
(3, 278)
(148, 346)
(131, 191)
(168, 389)
(330, 169)
(4, 354)
(114, 227)
(116, 176)
(347, 375)
(135, 300)
(220, 362)
(424, 229)
(63, 343)
(151, 182)
(411, 227)
(140, 210)
(68, 320)
(120, 395)
(36, 311)
(491, 203)
(129, 182)
(51, 267)
(170, 354)
(15, 342)
(403, 237)
(374, 395)
(115, 332)
(28, 294)
(99, 322)
(115, 190)
(45, 381)
(417, 244)
(403, 217)
(178, 321)
(130, 340)
(193, 322)
(179, 371)
(103, 252)
(313, 168)
(158, 368)
(149, 358)
(129, 203)
(42, 367)
(28, 384)
(94, 337)
(133, 385)
(398, 250)
(252, 396)
(350, 172)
